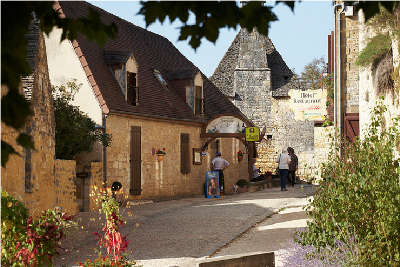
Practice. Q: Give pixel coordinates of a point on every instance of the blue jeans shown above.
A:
(283, 173)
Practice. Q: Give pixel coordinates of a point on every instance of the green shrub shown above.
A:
(13, 221)
(376, 48)
(358, 203)
(28, 242)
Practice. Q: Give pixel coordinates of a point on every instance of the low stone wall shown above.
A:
(65, 176)
(95, 184)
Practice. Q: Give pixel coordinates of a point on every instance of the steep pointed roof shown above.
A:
(282, 78)
(151, 51)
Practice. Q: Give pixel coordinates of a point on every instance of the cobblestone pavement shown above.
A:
(180, 232)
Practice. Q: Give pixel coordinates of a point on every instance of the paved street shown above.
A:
(180, 232)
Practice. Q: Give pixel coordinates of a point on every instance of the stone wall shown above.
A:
(65, 185)
(30, 176)
(285, 132)
(254, 69)
(164, 179)
(350, 51)
(95, 183)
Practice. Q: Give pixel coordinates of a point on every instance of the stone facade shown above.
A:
(65, 185)
(349, 53)
(30, 177)
(35, 177)
(359, 92)
(254, 70)
(94, 183)
(164, 178)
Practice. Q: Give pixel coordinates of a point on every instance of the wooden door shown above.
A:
(351, 126)
(136, 161)
(185, 154)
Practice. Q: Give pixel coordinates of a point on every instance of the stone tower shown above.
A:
(257, 80)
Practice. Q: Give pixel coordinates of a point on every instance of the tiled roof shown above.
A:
(151, 51)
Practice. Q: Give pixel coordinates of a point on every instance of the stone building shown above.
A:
(35, 177)
(149, 97)
(257, 80)
(346, 73)
(357, 88)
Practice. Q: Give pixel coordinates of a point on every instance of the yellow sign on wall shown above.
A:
(252, 134)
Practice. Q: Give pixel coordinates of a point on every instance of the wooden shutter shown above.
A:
(197, 102)
(132, 97)
(185, 155)
(351, 126)
(136, 161)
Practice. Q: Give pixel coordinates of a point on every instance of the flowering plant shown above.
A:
(112, 240)
(28, 242)
(161, 152)
(240, 153)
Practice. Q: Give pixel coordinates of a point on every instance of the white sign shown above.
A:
(226, 124)
(309, 104)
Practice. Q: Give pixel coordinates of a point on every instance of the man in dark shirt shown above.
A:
(292, 166)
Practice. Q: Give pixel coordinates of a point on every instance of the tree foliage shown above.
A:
(75, 131)
(210, 17)
(313, 72)
(358, 204)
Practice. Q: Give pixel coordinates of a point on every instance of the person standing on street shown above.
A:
(294, 161)
(220, 164)
(283, 160)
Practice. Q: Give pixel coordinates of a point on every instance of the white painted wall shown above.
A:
(367, 92)
(64, 66)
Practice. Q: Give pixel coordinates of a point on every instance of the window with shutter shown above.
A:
(185, 153)
(132, 90)
(198, 100)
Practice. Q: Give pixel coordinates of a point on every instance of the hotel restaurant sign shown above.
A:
(309, 104)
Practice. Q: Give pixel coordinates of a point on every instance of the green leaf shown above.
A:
(6, 151)
(15, 109)
(25, 141)
(290, 4)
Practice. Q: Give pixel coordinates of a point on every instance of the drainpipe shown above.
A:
(104, 153)
(337, 71)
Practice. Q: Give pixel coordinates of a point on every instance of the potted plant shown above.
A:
(240, 155)
(242, 184)
(160, 154)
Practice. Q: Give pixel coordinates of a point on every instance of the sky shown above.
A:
(299, 37)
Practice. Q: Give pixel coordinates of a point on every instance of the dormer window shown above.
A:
(160, 78)
(124, 68)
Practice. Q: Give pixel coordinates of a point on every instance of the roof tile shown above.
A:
(151, 51)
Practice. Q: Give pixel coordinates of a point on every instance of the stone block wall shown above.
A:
(310, 165)
(95, 183)
(285, 131)
(254, 69)
(164, 179)
(65, 181)
(350, 51)
(30, 176)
